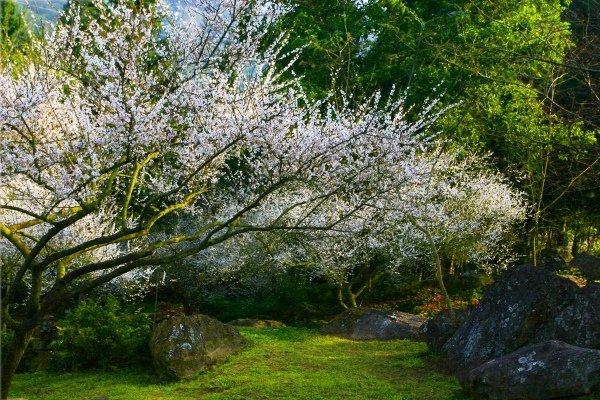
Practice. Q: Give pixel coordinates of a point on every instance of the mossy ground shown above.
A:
(279, 363)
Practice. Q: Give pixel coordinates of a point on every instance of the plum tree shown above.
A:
(144, 137)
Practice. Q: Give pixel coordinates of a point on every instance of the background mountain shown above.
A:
(45, 9)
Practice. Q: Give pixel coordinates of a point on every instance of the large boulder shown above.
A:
(182, 346)
(588, 264)
(545, 370)
(438, 329)
(525, 306)
(372, 324)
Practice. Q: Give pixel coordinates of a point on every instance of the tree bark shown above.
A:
(12, 359)
(340, 296)
(439, 268)
(533, 246)
(351, 296)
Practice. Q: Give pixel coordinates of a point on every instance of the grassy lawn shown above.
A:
(279, 363)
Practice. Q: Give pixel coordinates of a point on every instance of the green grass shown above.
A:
(279, 363)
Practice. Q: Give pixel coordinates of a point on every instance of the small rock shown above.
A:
(438, 329)
(551, 260)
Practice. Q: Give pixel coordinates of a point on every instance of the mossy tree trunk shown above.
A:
(12, 359)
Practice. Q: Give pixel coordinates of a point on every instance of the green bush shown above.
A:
(102, 334)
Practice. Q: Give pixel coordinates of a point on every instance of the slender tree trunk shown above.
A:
(12, 359)
(575, 245)
(439, 268)
(340, 296)
(533, 245)
(439, 274)
(351, 297)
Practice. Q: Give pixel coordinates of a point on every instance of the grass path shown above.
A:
(279, 363)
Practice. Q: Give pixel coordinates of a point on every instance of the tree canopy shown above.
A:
(138, 138)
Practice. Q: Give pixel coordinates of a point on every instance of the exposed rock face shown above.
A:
(372, 324)
(438, 329)
(525, 306)
(182, 346)
(256, 323)
(545, 370)
(588, 264)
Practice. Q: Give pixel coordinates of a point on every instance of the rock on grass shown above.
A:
(547, 370)
(182, 346)
(372, 324)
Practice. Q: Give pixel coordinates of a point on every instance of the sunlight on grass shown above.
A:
(283, 363)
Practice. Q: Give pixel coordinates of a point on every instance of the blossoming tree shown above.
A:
(436, 205)
(140, 117)
(430, 206)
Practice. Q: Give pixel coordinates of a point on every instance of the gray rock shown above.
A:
(525, 306)
(438, 329)
(372, 324)
(545, 370)
(588, 264)
(551, 260)
(182, 346)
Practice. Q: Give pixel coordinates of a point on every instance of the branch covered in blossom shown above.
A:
(139, 116)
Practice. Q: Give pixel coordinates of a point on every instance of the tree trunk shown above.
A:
(533, 245)
(575, 245)
(351, 297)
(340, 296)
(439, 268)
(13, 358)
(439, 274)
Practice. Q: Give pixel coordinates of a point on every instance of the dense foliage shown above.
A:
(14, 31)
(101, 334)
(525, 74)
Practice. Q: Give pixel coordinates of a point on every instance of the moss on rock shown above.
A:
(182, 346)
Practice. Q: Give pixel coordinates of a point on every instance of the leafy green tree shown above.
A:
(14, 32)
(502, 63)
(330, 34)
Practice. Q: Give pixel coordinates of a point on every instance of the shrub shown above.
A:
(102, 334)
